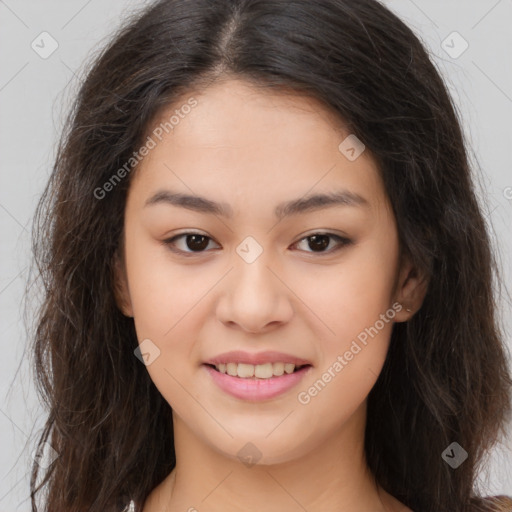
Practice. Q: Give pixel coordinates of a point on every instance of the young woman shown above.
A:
(268, 280)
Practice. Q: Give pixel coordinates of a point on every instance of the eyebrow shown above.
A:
(285, 209)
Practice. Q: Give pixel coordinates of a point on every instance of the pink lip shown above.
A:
(239, 356)
(255, 389)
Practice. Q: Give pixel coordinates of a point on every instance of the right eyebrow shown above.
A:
(285, 209)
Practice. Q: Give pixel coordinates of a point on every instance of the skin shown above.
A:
(252, 150)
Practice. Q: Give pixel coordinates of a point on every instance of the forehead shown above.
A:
(242, 114)
(239, 141)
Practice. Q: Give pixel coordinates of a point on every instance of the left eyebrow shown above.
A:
(285, 209)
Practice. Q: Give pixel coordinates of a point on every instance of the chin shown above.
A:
(263, 451)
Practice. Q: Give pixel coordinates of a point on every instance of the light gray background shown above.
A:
(35, 94)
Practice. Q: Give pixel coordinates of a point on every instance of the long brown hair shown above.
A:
(446, 377)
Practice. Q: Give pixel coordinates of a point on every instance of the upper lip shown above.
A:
(239, 356)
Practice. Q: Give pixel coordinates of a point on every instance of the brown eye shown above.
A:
(194, 243)
(197, 243)
(318, 242)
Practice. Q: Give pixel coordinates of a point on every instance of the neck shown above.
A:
(331, 476)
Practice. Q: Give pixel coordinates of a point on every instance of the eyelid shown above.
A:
(168, 242)
(343, 241)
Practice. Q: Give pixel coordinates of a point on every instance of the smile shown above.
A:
(253, 387)
(260, 371)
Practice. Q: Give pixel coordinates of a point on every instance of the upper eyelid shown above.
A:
(342, 239)
(307, 235)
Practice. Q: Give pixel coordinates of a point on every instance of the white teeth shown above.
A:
(260, 371)
(232, 369)
(289, 367)
(245, 370)
(278, 368)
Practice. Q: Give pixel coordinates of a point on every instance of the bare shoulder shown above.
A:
(501, 503)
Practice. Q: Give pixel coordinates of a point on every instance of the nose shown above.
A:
(255, 298)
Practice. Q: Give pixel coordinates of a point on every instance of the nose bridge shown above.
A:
(255, 296)
(252, 275)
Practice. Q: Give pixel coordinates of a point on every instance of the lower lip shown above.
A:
(256, 389)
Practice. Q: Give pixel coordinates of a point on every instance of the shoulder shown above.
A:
(500, 503)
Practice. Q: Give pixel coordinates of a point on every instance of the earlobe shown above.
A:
(120, 285)
(411, 289)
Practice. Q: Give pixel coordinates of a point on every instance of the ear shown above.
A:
(121, 291)
(410, 290)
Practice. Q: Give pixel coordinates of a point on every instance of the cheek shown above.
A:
(162, 292)
(354, 304)
(357, 311)
(169, 304)
(350, 296)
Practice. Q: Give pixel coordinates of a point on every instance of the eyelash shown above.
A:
(343, 242)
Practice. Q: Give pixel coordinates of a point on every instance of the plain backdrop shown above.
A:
(470, 42)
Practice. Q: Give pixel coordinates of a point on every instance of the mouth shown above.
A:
(257, 372)
(255, 383)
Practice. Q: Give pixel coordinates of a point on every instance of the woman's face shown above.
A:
(273, 171)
